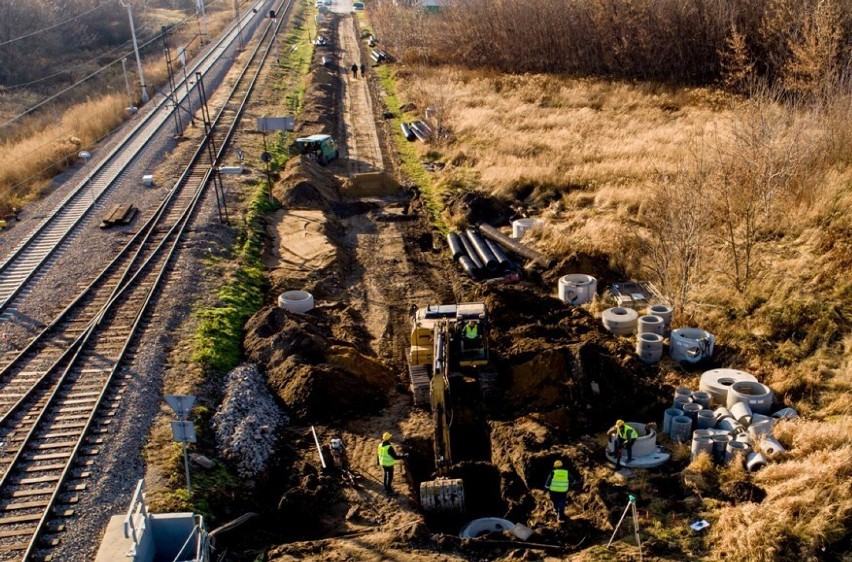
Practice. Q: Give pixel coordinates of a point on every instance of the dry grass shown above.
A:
(55, 146)
(41, 147)
(808, 505)
(590, 156)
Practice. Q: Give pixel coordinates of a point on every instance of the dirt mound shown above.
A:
(558, 362)
(316, 376)
(472, 207)
(598, 264)
(306, 185)
(322, 96)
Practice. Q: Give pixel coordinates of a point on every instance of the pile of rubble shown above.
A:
(246, 423)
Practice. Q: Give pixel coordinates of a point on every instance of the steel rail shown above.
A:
(209, 57)
(180, 227)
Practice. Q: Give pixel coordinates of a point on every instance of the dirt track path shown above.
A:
(363, 151)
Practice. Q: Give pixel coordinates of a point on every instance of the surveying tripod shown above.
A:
(631, 505)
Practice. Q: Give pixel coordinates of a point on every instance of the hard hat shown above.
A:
(557, 464)
(619, 423)
(386, 436)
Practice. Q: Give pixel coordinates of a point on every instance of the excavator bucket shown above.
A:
(442, 495)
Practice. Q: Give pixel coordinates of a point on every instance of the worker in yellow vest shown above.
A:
(557, 485)
(387, 458)
(624, 438)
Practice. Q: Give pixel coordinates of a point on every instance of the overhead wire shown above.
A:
(54, 26)
(87, 77)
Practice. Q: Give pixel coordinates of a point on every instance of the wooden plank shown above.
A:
(20, 519)
(25, 505)
(60, 445)
(14, 547)
(36, 492)
(23, 531)
(44, 468)
(41, 479)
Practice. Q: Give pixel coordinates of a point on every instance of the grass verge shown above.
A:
(410, 166)
(218, 332)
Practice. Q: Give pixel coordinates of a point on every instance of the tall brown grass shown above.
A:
(55, 147)
(802, 43)
(45, 144)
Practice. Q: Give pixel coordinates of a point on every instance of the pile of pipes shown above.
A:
(728, 419)
(482, 253)
(379, 56)
(417, 130)
(686, 345)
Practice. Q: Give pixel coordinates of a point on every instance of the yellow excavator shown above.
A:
(449, 351)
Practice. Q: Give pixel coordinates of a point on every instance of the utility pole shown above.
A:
(201, 8)
(239, 24)
(145, 97)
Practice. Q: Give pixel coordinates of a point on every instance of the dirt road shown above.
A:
(362, 149)
(389, 267)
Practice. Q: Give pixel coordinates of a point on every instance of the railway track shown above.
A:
(33, 255)
(58, 395)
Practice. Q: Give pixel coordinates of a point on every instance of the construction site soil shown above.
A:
(340, 369)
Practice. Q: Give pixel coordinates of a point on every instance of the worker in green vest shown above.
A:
(387, 458)
(557, 485)
(624, 438)
(471, 330)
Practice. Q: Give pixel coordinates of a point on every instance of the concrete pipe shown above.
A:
(722, 413)
(484, 526)
(681, 429)
(741, 412)
(757, 418)
(577, 288)
(736, 449)
(691, 411)
(521, 226)
(702, 445)
(667, 419)
(705, 419)
(761, 429)
(455, 245)
(786, 414)
(691, 345)
(683, 391)
(296, 301)
(757, 396)
(720, 445)
(681, 401)
(651, 324)
(665, 312)
(743, 438)
(646, 442)
(730, 425)
(718, 381)
(649, 348)
(620, 321)
(771, 446)
(703, 433)
(755, 461)
(702, 398)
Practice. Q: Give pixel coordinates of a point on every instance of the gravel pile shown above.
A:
(246, 424)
